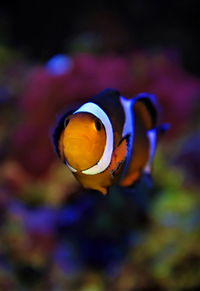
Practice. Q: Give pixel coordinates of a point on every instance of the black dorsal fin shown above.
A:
(147, 106)
(109, 101)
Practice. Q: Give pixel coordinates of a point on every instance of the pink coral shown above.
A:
(47, 94)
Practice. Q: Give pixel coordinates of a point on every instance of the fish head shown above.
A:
(83, 140)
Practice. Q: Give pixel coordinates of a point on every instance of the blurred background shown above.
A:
(53, 234)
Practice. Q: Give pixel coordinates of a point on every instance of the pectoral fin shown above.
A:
(119, 156)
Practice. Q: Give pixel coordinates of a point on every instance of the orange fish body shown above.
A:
(108, 140)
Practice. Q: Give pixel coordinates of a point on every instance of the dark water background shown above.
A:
(53, 234)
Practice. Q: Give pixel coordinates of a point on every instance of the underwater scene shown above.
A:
(57, 235)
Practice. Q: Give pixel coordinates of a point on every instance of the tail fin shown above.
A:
(162, 129)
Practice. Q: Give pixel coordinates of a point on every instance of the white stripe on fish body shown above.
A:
(128, 129)
(105, 160)
(152, 136)
(128, 124)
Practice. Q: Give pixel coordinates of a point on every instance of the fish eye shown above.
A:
(98, 124)
(66, 122)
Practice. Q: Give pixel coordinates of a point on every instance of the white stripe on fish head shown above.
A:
(105, 160)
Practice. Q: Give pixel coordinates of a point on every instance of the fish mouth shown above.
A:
(78, 153)
(74, 151)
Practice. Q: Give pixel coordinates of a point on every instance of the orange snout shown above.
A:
(83, 144)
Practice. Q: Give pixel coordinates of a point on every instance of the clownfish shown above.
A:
(109, 139)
